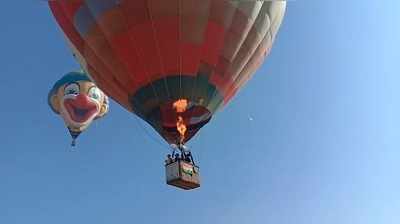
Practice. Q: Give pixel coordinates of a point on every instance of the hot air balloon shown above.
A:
(78, 101)
(174, 63)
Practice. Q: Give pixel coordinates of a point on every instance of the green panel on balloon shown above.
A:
(160, 113)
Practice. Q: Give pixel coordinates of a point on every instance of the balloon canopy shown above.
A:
(174, 63)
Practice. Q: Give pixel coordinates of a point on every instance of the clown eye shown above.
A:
(71, 89)
(94, 93)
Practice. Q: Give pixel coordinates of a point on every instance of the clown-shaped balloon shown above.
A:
(78, 101)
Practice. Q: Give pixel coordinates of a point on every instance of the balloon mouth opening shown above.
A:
(179, 126)
(79, 113)
(190, 109)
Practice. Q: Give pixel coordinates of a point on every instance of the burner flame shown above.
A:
(181, 127)
(180, 106)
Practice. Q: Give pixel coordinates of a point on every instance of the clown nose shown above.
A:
(82, 101)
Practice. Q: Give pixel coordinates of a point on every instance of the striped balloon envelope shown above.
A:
(174, 63)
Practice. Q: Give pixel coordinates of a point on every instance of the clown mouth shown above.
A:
(78, 113)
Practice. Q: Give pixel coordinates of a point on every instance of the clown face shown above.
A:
(79, 103)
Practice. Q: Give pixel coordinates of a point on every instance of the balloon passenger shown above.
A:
(78, 101)
(177, 157)
(168, 160)
(189, 158)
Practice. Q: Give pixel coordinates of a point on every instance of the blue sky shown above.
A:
(323, 145)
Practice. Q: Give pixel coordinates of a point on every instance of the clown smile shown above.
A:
(80, 109)
(80, 112)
